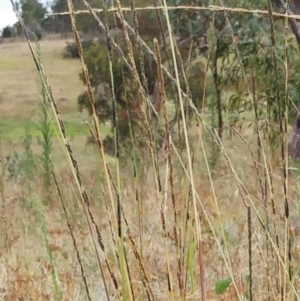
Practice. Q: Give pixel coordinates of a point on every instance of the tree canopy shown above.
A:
(239, 50)
(32, 11)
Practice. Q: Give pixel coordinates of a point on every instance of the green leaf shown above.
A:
(222, 285)
(151, 14)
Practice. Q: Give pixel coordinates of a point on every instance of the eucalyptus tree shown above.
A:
(252, 56)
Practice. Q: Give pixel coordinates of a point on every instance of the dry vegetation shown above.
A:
(53, 252)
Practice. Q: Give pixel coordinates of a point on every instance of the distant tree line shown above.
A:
(34, 13)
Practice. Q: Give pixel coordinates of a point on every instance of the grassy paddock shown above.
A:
(19, 91)
(19, 86)
(187, 225)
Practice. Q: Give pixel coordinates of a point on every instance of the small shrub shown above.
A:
(22, 166)
(125, 91)
(8, 32)
(71, 49)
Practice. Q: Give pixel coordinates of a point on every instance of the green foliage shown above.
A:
(47, 133)
(28, 164)
(32, 10)
(267, 92)
(85, 22)
(36, 33)
(71, 49)
(62, 23)
(251, 54)
(22, 166)
(186, 24)
(13, 166)
(125, 89)
(236, 51)
(222, 285)
(192, 81)
(8, 32)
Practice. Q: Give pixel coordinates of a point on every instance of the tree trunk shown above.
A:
(294, 141)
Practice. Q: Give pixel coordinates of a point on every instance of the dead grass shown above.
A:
(221, 204)
(26, 270)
